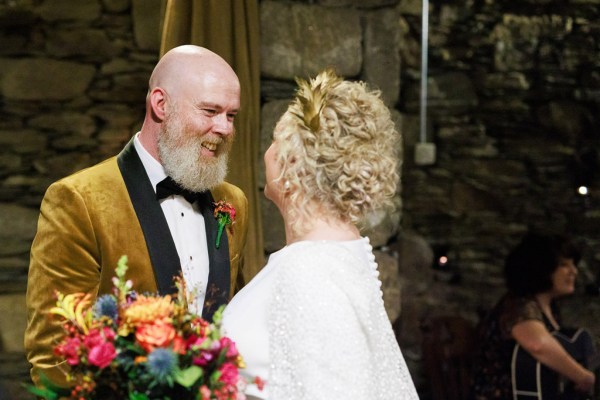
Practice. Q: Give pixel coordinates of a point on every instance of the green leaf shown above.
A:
(42, 392)
(121, 267)
(47, 389)
(138, 396)
(218, 315)
(187, 377)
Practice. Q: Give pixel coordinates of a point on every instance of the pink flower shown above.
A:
(102, 354)
(96, 337)
(196, 341)
(230, 346)
(109, 334)
(229, 374)
(203, 359)
(205, 392)
(70, 350)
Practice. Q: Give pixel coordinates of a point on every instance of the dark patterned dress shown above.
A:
(491, 377)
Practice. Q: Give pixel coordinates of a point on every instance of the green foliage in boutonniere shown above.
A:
(225, 215)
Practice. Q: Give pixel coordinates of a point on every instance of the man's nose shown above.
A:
(223, 124)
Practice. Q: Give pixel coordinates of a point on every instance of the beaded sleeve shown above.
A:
(330, 335)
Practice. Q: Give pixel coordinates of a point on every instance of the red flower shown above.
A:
(102, 354)
(225, 215)
(259, 382)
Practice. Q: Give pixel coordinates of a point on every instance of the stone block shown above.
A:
(24, 141)
(390, 284)
(91, 44)
(116, 6)
(382, 53)
(301, 40)
(273, 228)
(45, 79)
(381, 225)
(13, 320)
(17, 222)
(146, 23)
(270, 114)
(65, 123)
(357, 3)
(68, 10)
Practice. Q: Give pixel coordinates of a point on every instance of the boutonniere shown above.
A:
(225, 215)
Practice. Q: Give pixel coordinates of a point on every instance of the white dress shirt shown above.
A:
(186, 224)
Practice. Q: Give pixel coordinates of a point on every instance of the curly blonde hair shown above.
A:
(336, 148)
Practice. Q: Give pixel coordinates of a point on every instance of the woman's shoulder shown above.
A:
(515, 309)
(324, 261)
(323, 253)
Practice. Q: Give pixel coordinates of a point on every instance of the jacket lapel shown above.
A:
(217, 289)
(161, 248)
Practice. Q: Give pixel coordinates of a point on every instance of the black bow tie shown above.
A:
(168, 187)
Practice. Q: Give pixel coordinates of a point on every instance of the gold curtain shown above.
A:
(230, 28)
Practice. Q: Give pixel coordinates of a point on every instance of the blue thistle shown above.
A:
(106, 306)
(162, 364)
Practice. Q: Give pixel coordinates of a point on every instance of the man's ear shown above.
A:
(158, 100)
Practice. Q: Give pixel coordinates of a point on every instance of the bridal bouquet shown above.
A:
(142, 347)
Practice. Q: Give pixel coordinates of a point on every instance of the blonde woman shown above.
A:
(312, 323)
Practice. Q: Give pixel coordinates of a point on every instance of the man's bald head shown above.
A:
(182, 66)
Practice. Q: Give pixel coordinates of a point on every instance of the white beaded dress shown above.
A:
(313, 325)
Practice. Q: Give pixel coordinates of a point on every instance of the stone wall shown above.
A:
(73, 78)
(514, 93)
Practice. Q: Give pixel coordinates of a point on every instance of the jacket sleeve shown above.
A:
(64, 258)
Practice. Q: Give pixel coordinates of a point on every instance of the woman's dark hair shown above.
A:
(528, 268)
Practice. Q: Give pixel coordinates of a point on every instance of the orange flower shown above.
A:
(146, 310)
(157, 334)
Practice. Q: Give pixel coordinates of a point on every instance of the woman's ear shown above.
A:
(158, 100)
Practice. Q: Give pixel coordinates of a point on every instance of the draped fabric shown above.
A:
(230, 28)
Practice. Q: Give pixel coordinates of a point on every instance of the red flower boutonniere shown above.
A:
(225, 215)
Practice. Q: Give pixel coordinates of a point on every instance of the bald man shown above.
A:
(153, 202)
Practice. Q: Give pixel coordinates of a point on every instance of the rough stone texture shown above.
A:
(13, 319)
(146, 23)
(270, 114)
(116, 6)
(45, 79)
(387, 265)
(514, 95)
(357, 3)
(273, 229)
(382, 53)
(91, 44)
(67, 10)
(301, 40)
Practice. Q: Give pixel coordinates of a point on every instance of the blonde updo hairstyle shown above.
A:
(337, 149)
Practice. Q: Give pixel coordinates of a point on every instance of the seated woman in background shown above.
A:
(541, 269)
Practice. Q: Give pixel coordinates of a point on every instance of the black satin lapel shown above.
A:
(162, 250)
(217, 289)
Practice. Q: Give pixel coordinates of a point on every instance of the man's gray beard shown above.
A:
(181, 158)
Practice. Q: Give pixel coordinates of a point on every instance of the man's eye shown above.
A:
(210, 111)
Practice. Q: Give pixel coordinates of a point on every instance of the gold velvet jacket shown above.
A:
(87, 222)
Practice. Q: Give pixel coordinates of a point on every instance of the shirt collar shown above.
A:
(154, 169)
